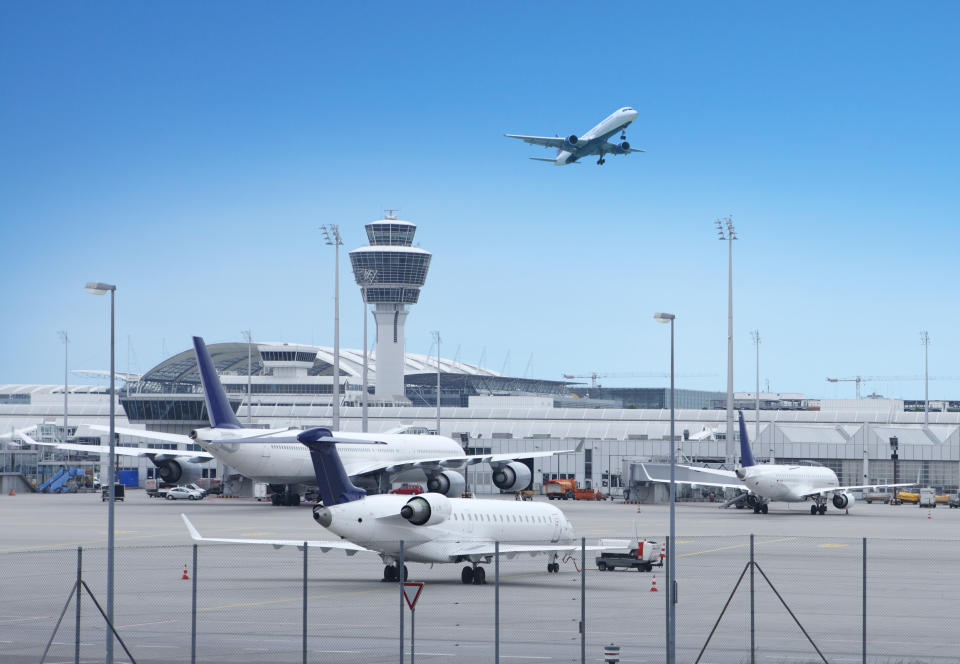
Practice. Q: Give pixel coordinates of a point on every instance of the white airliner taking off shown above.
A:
(594, 142)
(277, 457)
(789, 483)
(432, 527)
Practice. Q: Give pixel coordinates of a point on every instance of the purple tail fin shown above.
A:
(746, 456)
(335, 487)
(219, 409)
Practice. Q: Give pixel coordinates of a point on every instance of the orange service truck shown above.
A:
(568, 490)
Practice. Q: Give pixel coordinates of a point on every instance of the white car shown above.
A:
(198, 489)
(183, 492)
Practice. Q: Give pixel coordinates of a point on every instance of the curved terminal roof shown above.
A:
(179, 373)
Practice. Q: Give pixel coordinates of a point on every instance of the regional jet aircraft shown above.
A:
(431, 528)
(396, 458)
(765, 483)
(574, 147)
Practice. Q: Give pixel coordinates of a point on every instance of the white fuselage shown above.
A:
(289, 463)
(785, 483)
(375, 523)
(619, 119)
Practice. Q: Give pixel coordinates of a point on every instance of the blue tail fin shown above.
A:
(746, 456)
(335, 486)
(218, 406)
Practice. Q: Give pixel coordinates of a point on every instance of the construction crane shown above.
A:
(595, 375)
(864, 379)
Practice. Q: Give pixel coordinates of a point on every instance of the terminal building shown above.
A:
(280, 384)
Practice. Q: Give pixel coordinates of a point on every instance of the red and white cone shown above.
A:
(185, 577)
(653, 584)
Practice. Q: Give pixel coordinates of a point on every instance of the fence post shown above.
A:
(752, 612)
(666, 597)
(583, 600)
(193, 619)
(402, 600)
(76, 634)
(496, 602)
(304, 603)
(864, 645)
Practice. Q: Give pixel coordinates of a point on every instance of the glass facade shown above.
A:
(169, 410)
(393, 267)
(287, 356)
(384, 232)
(651, 397)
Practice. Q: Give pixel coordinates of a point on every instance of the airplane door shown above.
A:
(555, 520)
(265, 451)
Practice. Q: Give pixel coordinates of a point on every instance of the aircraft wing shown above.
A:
(450, 462)
(324, 546)
(512, 550)
(190, 455)
(834, 489)
(143, 433)
(660, 472)
(544, 141)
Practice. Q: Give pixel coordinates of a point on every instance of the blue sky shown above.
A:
(189, 151)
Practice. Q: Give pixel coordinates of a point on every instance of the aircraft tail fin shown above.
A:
(746, 455)
(219, 409)
(332, 480)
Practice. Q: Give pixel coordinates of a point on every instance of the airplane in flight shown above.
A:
(594, 142)
(432, 527)
(396, 458)
(766, 483)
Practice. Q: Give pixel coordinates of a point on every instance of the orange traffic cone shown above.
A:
(12, 492)
(185, 577)
(928, 515)
(663, 552)
(653, 584)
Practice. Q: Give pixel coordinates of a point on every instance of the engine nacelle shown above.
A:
(512, 476)
(449, 483)
(428, 509)
(843, 500)
(570, 141)
(173, 470)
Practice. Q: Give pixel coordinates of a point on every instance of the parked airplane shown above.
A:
(431, 527)
(399, 458)
(765, 483)
(574, 147)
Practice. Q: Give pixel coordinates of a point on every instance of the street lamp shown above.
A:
(671, 558)
(729, 236)
(98, 288)
(366, 278)
(331, 235)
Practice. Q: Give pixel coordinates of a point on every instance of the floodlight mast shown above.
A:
(331, 235)
(729, 237)
(925, 340)
(65, 338)
(661, 317)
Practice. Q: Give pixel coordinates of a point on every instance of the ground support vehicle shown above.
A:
(928, 498)
(526, 494)
(407, 489)
(118, 492)
(643, 558)
(881, 497)
(566, 489)
(954, 501)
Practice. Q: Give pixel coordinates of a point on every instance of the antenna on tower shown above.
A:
(390, 214)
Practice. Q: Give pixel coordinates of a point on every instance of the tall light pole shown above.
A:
(925, 340)
(365, 277)
(729, 236)
(331, 235)
(671, 558)
(66, 365)
(436, 335)
(249, 336)
(755, 335)
(98, 288)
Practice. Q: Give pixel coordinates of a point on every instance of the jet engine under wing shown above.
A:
(545, 141)
(324, 546)
(660, 472)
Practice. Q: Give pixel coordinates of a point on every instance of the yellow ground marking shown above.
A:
(833, 546)
(735, 546)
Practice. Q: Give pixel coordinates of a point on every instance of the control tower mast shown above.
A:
(398, 272)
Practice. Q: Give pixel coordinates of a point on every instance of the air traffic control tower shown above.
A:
(390, 271)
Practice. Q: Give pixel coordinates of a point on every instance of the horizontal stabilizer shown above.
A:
(552, 161)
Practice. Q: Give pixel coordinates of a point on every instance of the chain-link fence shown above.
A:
(740, 599)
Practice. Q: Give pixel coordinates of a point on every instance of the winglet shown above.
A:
(746, 455)
(219, 409)
(332, 480)
(194, 533)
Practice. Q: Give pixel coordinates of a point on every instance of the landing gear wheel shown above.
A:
(765, 508)
(602, 566)
(823, 509)
(466, 575)
(813, 509)
(404, 572)
(390, 573)
(479, 576)
(275, 499)
(756, 509)
(553, 568)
